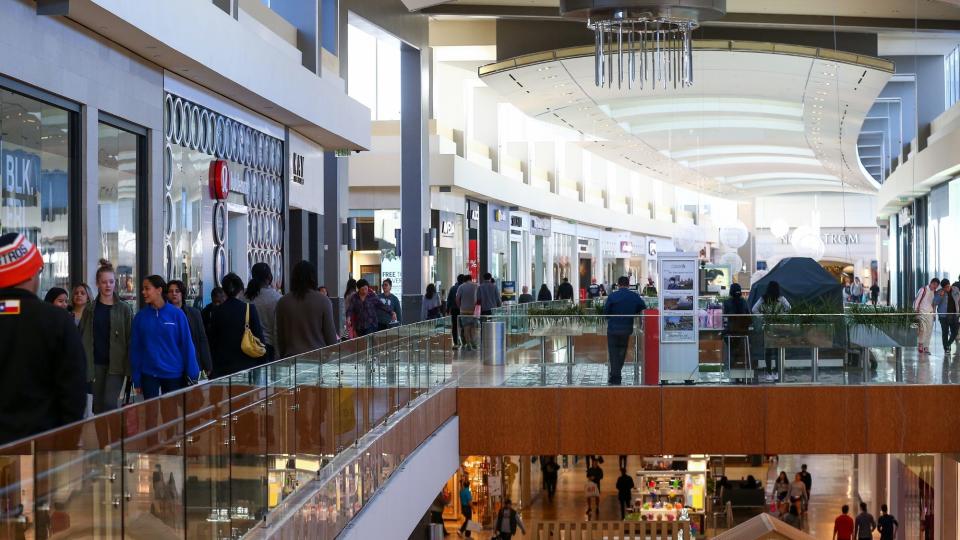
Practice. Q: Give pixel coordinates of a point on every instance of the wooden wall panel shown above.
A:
(716, 420)
(913, 418)
(823, 420)
(628, 418)
(500, 421)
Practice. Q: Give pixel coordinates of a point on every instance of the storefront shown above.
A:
(540, 234)
(376, 257)
(476, 238)
(520, 256)
(617, 251)
(847, 253)
(223, 170)
(306, 196)
(498, 236)
(449, 261)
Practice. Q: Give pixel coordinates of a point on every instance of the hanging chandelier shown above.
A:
(643, 42)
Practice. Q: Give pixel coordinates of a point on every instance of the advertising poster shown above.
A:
(509, 290)
(678, 299)
(717, 278)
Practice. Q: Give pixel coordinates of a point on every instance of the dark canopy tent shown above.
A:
(802, 281)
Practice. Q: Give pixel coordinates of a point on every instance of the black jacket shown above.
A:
(226, 332)
(544, 295)
(43, 374)
(740, 324)
(565, 291)
(198, 333)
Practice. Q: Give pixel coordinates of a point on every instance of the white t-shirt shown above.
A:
(924, 301)
(590, 489)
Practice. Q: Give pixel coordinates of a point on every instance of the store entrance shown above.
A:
(840, 270)
(237, 242)
(586, 272)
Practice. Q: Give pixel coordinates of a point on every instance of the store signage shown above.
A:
(540, 226)
(296, 170)
(626, 247)
(652, 248)
(841, 239)
(446, 228)
(516, 221)
(219, 179)
(498, 215)
(474, 214)
(583, 245)
(21, 178)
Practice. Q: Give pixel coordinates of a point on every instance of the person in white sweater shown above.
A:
(923, 305)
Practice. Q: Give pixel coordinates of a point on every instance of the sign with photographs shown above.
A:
(678, 298)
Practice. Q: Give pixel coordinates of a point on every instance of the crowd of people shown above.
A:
(939, 300)
(78, 353)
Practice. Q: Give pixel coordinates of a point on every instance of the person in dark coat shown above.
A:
(525, 296)
(544, 294)
(624, 304)
(217, 297)
(736, 321)
(454, 312)
(565, 290)
(175, 294)
(226, 331)
(43, 376)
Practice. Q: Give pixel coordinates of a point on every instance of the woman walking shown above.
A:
(105, 331)
(261, 293)
(349, 331)
(78, 301)
(57, 296)
(544, 294)
(198, 334)
(227, 327)
(162, 358)
(781, 487)
(304, 315)
(431, 304)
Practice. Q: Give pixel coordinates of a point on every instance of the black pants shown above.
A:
(551, 484)
(505, 536)
(949, 325)
(616, 353)
(467, 516)
(455, 324)
(624, 503)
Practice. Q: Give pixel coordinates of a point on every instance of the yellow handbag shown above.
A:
(250, 344)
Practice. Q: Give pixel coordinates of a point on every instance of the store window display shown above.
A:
(118, 166)
(35, 150)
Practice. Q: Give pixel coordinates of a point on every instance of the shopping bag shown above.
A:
(473, 525)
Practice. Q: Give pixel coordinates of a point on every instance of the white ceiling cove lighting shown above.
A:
(647, 41)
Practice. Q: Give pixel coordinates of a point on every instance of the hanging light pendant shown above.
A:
(643, 42)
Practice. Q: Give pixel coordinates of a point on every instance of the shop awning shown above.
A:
(763, 527)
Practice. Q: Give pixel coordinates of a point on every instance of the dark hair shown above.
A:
(303, 279)
(622, 281)
(159, 283)
(507, 502)
(180, 285)
(845, 508)
(883, 508)
(944, 282)
(935, 280)
(460, 278)
(543, 287)
(232, 285)
(260, 276)
(487, 276)
(54, 293)
(772, 294)
(467, 278)
(387, 281)
(431, 291)
(863, 507)
(351, 287)
(566, 280)
(361, 283)
(215, 291)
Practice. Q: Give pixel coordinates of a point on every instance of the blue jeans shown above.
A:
(616, 353)
(153, 386)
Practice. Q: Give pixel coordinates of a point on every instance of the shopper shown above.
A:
(807, 479)
(261, 293)
(621, 307)
(349, 332)
(507, 520)
(947, 301)
(525, 296)
(593, 290)
(489, 296)
(772, 301)
(176, 292)
(393, 314)
(856, 291)
(594, 470)
(217, 297)
(43, 371)
(874, 293)
(304, 316)
(162, 357)
(781, 487)
(624, 492)
(565, 290)
(551, 470)
(432, 307)
(467, 302)
(466, 507)
(78, 302)
(887, 525)
(105, 329)
(592, 493)
(454, 310)
(865, 524)
(56, 296)
(544, 294)
(227, 327)
(365, 309)
(736, 322)
(798, 491)
(923, 305)
(843, 525)
(650, 289)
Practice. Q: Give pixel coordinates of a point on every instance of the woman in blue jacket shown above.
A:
(162, 357)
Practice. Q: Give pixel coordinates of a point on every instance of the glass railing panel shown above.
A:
(17, 491)
(206, 492)
(382, 376)
(153, 466)
(283, 471)
(350, 414)
(248, 438)
(440, 352)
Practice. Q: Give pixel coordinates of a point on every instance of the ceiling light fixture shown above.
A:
(647, 41)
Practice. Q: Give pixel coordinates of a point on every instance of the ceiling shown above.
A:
(760, 119)
(923, 9)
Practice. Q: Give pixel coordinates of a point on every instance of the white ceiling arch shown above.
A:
(760, 117)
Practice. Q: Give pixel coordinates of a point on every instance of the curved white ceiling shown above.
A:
(754, 122)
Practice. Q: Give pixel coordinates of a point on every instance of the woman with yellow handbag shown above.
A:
(236, 337)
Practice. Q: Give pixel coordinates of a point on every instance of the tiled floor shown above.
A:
(832, 488)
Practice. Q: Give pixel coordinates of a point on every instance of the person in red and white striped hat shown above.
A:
(43, 374)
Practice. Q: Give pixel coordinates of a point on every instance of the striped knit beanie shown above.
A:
(19, 260)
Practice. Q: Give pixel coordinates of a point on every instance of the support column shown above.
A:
(333, 274)
(414, 184)
(305, 16)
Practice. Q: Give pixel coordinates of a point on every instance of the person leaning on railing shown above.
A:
(43, 373)
(623, 305)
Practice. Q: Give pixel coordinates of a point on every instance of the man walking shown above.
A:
(565, 290)
(807, 479)
(843, 525)
(454, 310)
(624, 492)
(622, 306)
(43, 376)
(466, 507)
(865, 524)
(489, 296)
(508, 519)
(467, 299)
(925, 309)
(947, 301)
(887, 525)
(393, 314)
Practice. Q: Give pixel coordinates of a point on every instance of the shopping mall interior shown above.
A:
(548, 269)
